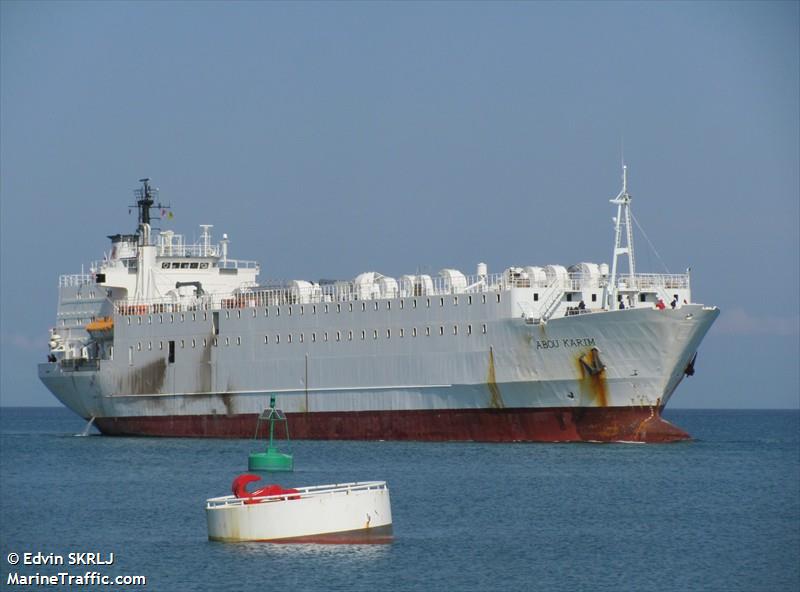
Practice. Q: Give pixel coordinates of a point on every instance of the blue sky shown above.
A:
(329, 139)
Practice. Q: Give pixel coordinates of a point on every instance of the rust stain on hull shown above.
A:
(593, 377)
(145, 380)
(496, 401)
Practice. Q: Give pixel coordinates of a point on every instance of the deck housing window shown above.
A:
(171, 354)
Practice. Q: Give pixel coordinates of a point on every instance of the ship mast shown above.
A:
(623, 218)
(144, 201)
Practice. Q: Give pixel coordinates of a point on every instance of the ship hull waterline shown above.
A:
(567, 424)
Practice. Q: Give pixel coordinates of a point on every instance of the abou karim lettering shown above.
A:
(566, 342)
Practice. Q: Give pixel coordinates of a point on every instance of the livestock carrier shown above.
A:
(166, 338)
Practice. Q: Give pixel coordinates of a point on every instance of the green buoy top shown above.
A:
(271, 459)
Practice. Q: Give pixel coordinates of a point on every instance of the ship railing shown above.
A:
(77, 364)
(316, 491)
(195, 250)
(75, 279)
(651, 281)
(290, 293)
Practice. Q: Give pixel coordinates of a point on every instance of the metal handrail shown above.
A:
(302, 492)
(348, 291)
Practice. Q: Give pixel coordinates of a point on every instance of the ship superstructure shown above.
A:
(172, 339)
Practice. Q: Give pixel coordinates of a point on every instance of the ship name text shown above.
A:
(568, 342)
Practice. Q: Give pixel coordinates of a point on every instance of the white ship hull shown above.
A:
(515, 369)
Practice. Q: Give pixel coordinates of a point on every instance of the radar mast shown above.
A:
(623, 218)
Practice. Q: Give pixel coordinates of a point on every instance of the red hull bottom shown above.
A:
(586, 424)
(381, 535)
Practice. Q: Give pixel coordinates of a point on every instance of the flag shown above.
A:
(170, 216)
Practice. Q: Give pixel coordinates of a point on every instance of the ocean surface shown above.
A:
(719, 513)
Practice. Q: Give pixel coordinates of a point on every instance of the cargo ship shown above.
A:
(166, 338)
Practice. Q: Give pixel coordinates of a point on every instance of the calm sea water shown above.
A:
(719, 513)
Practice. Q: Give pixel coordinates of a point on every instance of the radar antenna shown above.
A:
(145, 200)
